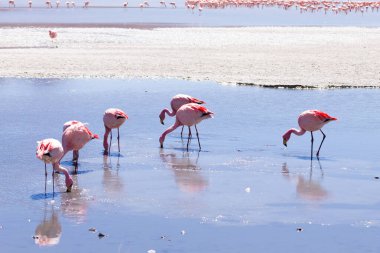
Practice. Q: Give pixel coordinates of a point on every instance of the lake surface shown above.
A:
(114, 15)
(244, 192)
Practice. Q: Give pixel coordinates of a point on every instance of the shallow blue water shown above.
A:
(243, 192)
(182, 17)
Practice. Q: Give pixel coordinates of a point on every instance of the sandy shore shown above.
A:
(319, 57)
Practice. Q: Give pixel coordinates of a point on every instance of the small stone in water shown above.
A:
(151, 251)
(248, 190)
(183, 232)
(101, 235)
(377, 177)
(299, 229)
(92, 230)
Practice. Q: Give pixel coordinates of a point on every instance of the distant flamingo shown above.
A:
(188, 115)
(310, 120)
(12, 3)
(86, 4)
(125, 4)
(53, 36)
(176, 102)
(51, 151)
(48, 4)
(74, 138)
(113, 118)
(30, 3)
(163, 3)
(57, 3)
(173, 4)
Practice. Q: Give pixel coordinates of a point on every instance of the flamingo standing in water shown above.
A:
(310, 120)
(74, 138)
(51, 151)
(113, 118)
(188, 115)
(176, 102)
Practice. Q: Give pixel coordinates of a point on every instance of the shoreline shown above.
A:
(270, 57)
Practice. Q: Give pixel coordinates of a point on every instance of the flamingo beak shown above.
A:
(284, 142)
(162, 122)
(69, 188)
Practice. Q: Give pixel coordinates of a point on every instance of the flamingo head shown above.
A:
(162, 117)
(286, 137)
(162, 141)
(95, 136)
(69, 183)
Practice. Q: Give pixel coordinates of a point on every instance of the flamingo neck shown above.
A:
(105, 137)
(68, 179)
(291, 131)
(169, 113)
(298, 132)
(169, 130)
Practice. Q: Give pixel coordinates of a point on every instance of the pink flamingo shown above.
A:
(188, 115)
(30, 3)
(176, 102)
(113, 118)
(310, 120)
(12, 3)
(53, 36)
(74, 138)
(51, 151)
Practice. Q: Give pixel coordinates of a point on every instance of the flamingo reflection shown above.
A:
(307, 188)
(112, 182)
(186, 171)
(75, 204)
(49, 231)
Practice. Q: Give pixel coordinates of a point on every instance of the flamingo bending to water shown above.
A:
(74, 138)
(310, 120)
(188, 115)
(51, 151)
(176, 102)
(113, 118)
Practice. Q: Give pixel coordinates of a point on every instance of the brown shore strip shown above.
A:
(275, 57)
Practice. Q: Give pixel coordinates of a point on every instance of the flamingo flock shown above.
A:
(188, 111)
(325, 6)
(303, 5)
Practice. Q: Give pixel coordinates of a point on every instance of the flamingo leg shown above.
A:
(312, 141)
(198, 137)
(188, 140)
(76, 168)
(75, 156)
(182, 131)
(52, 178)
(324, 137)
(118, 139)
(109, 147)
(45, 179)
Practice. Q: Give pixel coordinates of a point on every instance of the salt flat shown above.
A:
(319, 57)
